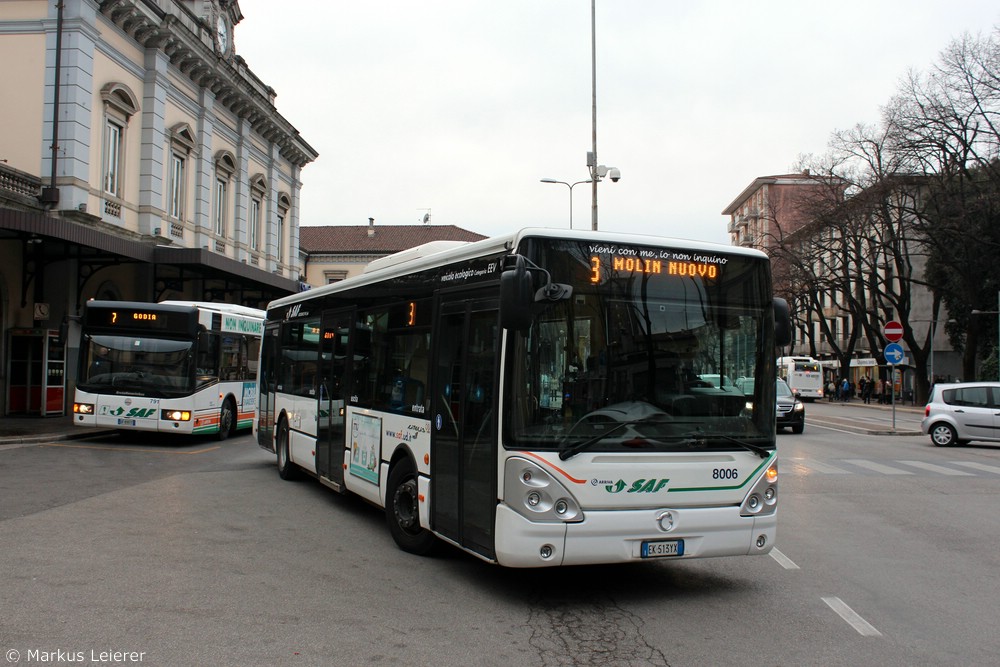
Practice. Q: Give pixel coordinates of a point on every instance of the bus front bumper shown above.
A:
(154, 425)
(617, 536)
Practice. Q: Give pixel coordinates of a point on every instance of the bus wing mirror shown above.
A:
(517, 293)
(520, 291)
(782, 323)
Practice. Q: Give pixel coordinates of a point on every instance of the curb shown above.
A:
(53, 437)
(860, 430)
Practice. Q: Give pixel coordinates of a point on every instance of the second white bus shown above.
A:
(181, 367)
(804, 376)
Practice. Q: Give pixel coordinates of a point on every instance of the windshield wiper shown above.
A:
(573, 450)
(756, 449)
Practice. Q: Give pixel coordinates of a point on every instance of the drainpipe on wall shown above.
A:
(50, 195)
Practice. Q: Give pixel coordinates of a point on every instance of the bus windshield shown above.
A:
(122, 364)
(643, 354)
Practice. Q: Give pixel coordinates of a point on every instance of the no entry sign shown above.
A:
(892, 331)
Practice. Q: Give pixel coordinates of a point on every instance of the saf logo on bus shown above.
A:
(137, 413)
(638, 486)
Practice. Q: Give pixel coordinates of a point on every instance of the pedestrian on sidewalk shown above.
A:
(845, 390)
(868, 390)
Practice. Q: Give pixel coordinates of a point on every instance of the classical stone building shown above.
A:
(140, 159)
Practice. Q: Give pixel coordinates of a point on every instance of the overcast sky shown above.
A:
(461, 107)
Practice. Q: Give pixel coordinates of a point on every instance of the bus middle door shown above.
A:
(463, 421)
(330, 441)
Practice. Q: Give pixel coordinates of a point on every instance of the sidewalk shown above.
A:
(865, 426)
(26, 430)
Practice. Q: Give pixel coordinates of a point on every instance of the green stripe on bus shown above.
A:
(751, 476)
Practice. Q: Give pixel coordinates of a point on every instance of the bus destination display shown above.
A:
(605, 261)
(134, 319)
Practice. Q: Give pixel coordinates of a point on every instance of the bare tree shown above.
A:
(914, 205)
(945, 127)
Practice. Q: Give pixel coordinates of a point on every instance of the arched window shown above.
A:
(225, 167)
(258, 190)
(182, 143)
(284, 204)
(120, 104)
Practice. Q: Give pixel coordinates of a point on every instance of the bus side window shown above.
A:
(252, 356)
(207, 363)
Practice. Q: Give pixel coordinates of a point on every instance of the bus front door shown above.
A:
(267, 376)
(463, 422)
(333, 364)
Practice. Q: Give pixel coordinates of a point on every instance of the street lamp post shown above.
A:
(570, 186)
(597, 172)
(592, 162)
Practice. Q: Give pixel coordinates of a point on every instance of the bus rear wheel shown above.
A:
(402, 511)
(227, 420)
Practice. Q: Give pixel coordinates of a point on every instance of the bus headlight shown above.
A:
(83, 408)
(176, 415)
(534, 494)
(763, 497)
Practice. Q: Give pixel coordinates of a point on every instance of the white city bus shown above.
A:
(804, 376)
(534, 399)
(176, 366)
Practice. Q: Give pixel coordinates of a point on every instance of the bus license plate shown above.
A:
(664, 548)
(126, 422)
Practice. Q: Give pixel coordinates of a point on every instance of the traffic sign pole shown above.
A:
(893, 354)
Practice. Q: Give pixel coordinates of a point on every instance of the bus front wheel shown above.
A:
(286, 469)
(227, 420)
(403, 511)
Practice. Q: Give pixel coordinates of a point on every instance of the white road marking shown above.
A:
(978, 466)
(878, 467)
(821, 467)
(863, 627)
(930, 467)
(783, 560)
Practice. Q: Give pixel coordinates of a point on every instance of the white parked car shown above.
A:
(958, 413)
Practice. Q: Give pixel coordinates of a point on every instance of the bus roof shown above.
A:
(434, 255)
(229, 308)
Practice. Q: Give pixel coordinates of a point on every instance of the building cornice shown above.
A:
(187, 41)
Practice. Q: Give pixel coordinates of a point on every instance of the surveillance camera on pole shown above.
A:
(611, 172)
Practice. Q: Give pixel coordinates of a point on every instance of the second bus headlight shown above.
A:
(176, 415)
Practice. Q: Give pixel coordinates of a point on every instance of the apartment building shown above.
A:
(779, 209)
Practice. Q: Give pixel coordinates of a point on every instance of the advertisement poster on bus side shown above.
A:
(249, 396)
(365, 441)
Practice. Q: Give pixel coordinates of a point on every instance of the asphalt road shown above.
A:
(198, 554)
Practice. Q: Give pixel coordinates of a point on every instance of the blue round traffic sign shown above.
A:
(893, 353)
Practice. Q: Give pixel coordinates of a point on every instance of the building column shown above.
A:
(241, 192)
(154, 142)
(204, 177)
